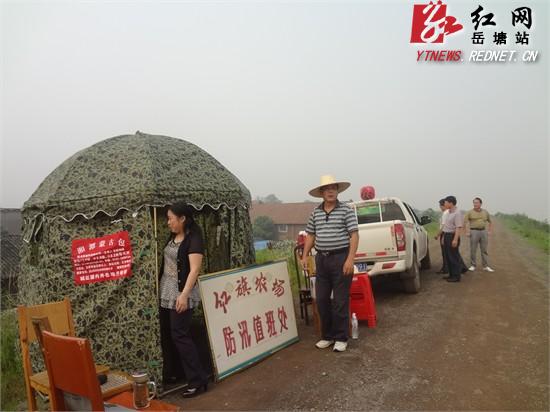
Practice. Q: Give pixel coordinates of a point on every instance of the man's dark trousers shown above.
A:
(444, 267)
(452, 255)
(330, 279)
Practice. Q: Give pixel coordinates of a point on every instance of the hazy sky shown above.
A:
(280, 93)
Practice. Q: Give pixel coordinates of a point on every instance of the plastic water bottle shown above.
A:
(354, 327)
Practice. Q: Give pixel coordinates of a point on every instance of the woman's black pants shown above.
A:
(178, 346)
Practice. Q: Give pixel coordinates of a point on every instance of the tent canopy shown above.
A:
(132, 171)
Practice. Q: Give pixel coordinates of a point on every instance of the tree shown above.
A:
(434, 215)
(263, 228)
(272, 199)
(268, 199)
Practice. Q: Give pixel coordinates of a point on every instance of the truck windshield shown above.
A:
(370, 212)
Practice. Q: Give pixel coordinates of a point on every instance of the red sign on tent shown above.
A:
(103, 258)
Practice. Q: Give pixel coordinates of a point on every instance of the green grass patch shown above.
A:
(534, 231)
(432, 229)
(12, 395)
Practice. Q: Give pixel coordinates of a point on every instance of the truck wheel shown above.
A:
(411, 283)
(426, 263)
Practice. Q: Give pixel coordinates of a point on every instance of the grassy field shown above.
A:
(12, 395)
(536, 232)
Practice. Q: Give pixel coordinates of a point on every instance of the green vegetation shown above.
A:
(263, 228)
(536, 232)
(433, 214)
(12, 396)
(268, 199)
(432, 228)
(282, 250)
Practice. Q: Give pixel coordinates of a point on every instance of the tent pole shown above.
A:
(156, 251)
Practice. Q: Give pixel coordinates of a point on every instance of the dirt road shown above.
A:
(481, 344)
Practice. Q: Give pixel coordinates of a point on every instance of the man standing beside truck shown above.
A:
(439, 237)
(480, 225)
(333, 230)
(452, 228)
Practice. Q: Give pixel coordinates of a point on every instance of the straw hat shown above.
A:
(328, 180)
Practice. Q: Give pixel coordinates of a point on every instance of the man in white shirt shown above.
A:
(442, 220)
(444, 213)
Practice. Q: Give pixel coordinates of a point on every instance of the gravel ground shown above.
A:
(481, 344)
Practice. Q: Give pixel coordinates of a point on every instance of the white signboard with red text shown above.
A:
(101, 259)
(249, 314)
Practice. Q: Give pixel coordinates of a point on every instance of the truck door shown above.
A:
(421, 238)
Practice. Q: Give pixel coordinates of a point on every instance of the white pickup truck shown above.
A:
(392, 240)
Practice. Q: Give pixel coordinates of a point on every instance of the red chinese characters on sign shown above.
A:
(242, 287)
(261, 283)
(246, 339)
(258, 328)
(281, 314)
(430, 23)
(222, 300)
(100, 259)
(278, 289)
(271, 330)
(229, 339)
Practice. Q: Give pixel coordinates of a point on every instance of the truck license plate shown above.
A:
(362, 267)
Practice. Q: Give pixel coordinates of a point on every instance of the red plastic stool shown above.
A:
(362, 299)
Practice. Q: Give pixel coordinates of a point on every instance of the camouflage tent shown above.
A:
(125, 183)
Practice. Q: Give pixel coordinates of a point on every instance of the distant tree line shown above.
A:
(271, 198)
(263, 228)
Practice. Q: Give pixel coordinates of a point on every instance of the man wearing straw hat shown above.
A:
(332, 229)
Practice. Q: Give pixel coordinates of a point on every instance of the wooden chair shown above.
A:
(58, 318)
(72, 374)
(40, 324)
(71, 369)
(304, 292)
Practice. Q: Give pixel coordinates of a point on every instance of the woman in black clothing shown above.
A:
(179, 295)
